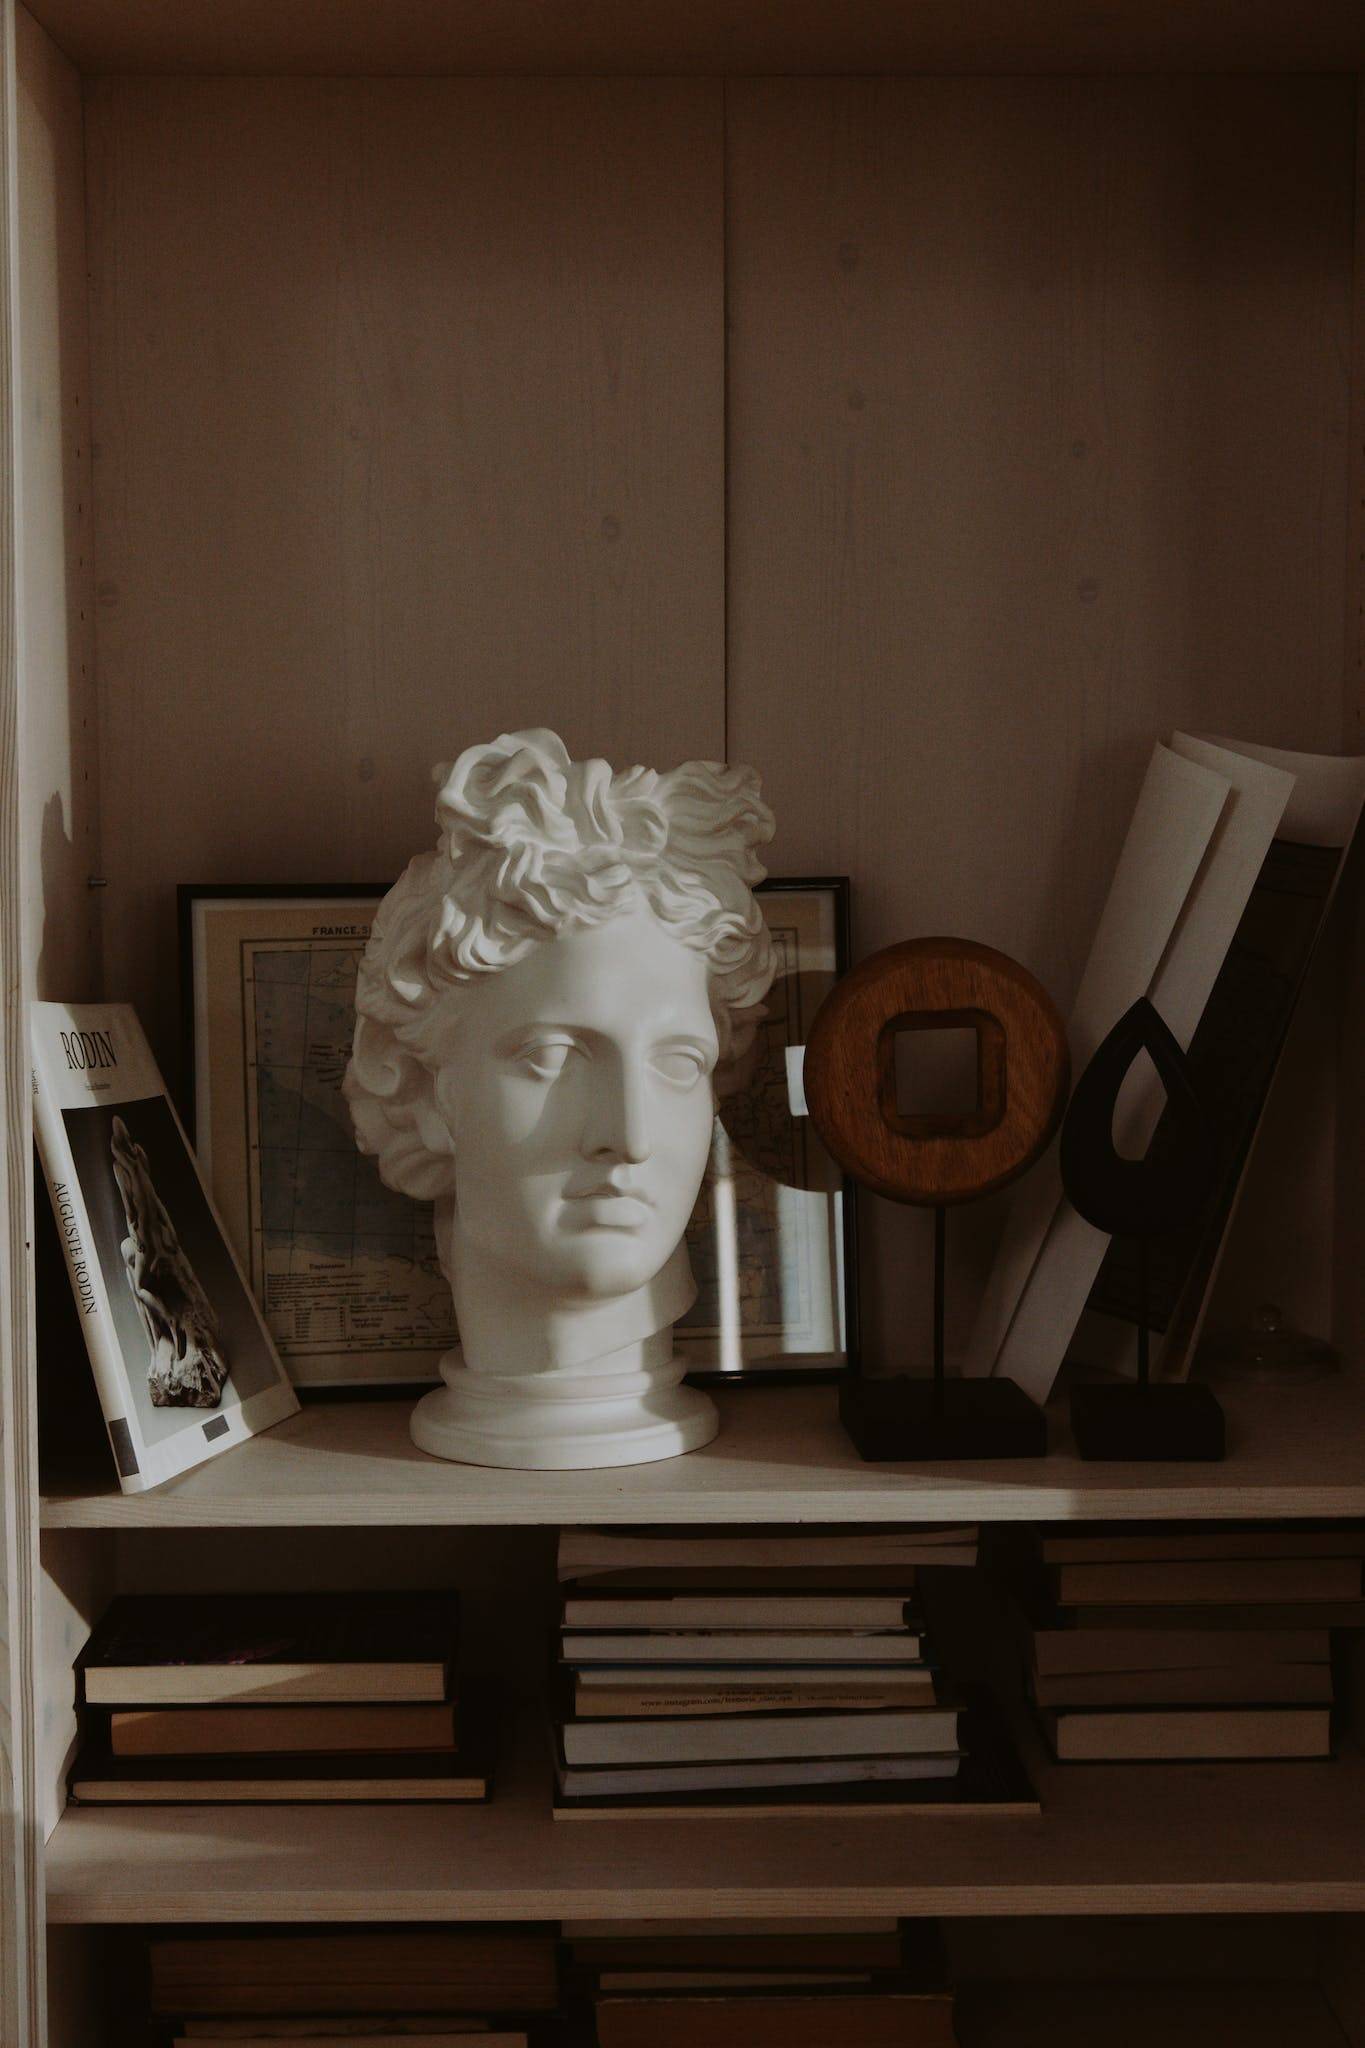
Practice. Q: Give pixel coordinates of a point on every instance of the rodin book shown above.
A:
(183, 1363)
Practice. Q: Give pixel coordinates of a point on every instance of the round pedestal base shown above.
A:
(562, 1421)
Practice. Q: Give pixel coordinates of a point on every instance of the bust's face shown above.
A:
(577, 1089)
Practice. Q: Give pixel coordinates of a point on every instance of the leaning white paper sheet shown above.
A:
(1178, 809)
(1323, 810)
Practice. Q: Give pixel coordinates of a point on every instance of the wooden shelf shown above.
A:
(405, 36)
(780, 1457)
(1113, 1839)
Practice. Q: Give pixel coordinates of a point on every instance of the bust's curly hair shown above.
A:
(533, 844)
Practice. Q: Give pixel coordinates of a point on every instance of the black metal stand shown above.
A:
(922, 1420)
(1179, 1424)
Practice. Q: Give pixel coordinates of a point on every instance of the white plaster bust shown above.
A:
(542, 1013)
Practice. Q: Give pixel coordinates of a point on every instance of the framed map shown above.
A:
(346, 1271)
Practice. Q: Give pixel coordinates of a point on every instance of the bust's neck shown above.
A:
(508, 1325)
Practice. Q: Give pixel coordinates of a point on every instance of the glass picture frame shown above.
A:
(772, 1237)
(346, 1271)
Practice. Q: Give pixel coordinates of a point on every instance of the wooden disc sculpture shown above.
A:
(935, 1159)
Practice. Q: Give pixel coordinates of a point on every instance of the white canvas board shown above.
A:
(1178, 810)
(1329, 792)
(1324, 809)
(1256, 804)
(1055, 1294)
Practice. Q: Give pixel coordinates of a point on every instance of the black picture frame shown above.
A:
(754, 1365)
(761, 1360)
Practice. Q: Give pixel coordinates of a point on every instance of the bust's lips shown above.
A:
(609, 1209)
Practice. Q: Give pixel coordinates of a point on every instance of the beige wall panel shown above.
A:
(59, 790)
(1037, 413)
(410, 403)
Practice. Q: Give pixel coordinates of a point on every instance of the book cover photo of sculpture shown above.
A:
(183, 1363)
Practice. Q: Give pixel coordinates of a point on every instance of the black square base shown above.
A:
(978, 1419)
(1179, 1424)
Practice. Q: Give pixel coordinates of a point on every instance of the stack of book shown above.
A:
(763, 1984)
(414, 1988)
(277, 1696)
(702, 1672)
(1186, 1642)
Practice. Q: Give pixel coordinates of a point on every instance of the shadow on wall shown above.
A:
(69, 963)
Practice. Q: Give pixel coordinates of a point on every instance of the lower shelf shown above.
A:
(1113, 1839)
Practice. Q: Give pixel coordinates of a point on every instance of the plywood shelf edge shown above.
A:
(1257, 1838)
(780, 1457)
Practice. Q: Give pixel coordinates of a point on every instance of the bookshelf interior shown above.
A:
(929, 405)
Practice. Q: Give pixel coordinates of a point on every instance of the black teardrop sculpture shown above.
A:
(1137, 1197)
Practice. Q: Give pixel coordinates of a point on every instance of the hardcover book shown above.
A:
(705, 1647)
(1175, 1542)
(155, 1649)
(1232, 1685)
(367, 1970)
(986, 1779)
(740, 1611)
(1252, 1580)
(727, 1738)
(795, 1949)
(749, 1776)
(438, 2035)
(1275, 1616)
(283, 1731)
(99, 1778)
(183, 1362)
(383, 2030)
(779, 1690)
(856, 2019)
(1058, 1652)
(1208, 1734)
(600, 1553)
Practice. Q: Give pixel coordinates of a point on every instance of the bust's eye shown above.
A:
(546, 1059)
(683, 1065)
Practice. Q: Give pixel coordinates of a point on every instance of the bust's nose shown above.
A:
(617, 1124)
